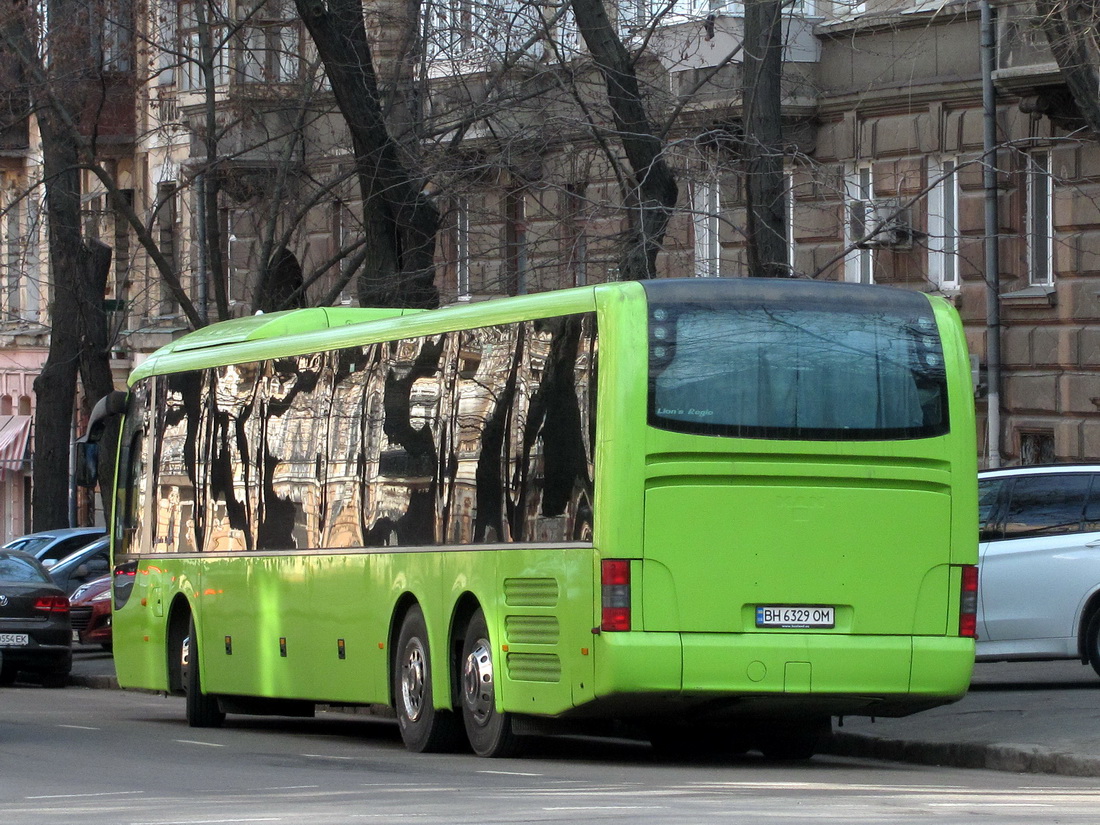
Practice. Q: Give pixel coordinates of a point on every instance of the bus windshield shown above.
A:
(757, 366)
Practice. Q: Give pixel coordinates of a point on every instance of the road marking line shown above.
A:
(82, 795)
(607, 808)
(510, 773)
(78, 727)
(196, 742)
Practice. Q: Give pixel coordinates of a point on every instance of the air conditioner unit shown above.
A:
(882, 223)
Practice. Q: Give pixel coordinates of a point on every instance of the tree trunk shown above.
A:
(399, 222)
(766, 197)
(655, 186)
(78, 337)
(55, 386)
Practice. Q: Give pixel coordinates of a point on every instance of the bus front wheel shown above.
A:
(489, 731)
(202, 709)
(424, 729)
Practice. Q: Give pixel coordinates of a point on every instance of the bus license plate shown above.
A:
(14, 639)
(792, 615)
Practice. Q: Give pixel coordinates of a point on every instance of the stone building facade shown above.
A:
(883, 122)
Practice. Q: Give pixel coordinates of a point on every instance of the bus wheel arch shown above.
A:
(424, 727)
(179, 622)
(203, 709)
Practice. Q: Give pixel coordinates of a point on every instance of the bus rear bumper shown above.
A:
(782, 672)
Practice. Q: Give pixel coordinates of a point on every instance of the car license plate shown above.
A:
(14, 639)
(795, 615)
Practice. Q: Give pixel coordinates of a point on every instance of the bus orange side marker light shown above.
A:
(144, 602)
(584, 651)
(381, 645)
(504, 648)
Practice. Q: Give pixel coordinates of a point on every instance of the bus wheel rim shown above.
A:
(413, 667)
(477, 682)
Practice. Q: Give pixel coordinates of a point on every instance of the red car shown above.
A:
(91, 613)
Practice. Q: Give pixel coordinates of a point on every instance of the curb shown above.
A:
(1008, 758)
(97, 682)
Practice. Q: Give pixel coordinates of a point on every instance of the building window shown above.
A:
(121, 257)
(462, 248)
(199, 21)
(848, 8)
(1039, 219)
(448, 27)
(859, 205)
(168, 241)
(515, 242)
(576, 235)
(792, 246)
(115, 43)
(165, 34)
(13, 258)
(943, 223)
(1037, 447)
(635, 14)
(269, 46)
(342, 239)
(706, 208)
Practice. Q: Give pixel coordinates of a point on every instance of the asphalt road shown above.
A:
(127, 758)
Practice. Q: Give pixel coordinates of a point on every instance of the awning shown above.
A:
(15, 433)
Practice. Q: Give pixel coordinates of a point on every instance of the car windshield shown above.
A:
(19, 569)
(31, 545)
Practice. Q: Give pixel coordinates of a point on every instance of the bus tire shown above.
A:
(203, 710)
(424, 728)
(488, 730)
(1092, 642)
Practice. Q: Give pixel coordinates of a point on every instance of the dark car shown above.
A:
(51, 546)
(35, 631)
(91, 613)
(87, 563)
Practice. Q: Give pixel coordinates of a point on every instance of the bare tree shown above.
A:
(78, 344)
(1071, 30)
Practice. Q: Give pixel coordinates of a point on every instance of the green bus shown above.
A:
(724, 509)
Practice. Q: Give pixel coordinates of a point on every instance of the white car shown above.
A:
(1039, 563)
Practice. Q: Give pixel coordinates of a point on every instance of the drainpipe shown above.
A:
(992, 238)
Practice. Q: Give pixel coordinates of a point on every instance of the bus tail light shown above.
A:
(968, 602)
(615, 594)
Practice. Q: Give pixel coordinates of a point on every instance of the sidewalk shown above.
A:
(1034, 717)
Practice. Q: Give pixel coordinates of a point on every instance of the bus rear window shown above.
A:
(797, 365)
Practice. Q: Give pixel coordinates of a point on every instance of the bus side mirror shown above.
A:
(87, 446)
(87, 464)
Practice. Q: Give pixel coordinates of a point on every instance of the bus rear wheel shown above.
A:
(424, 729)
(489, 731)
(203, 710)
